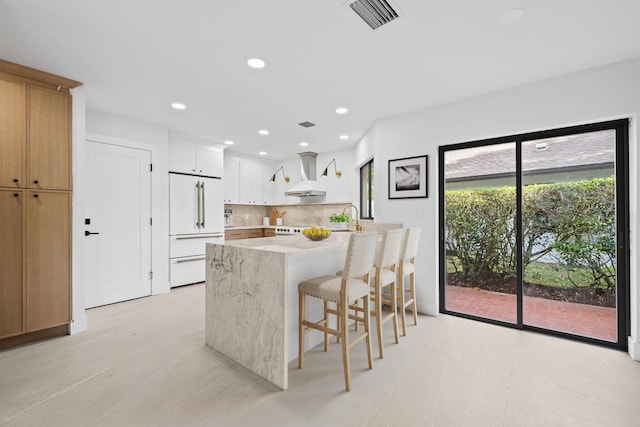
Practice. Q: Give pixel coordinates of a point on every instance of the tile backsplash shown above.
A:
(304, 214)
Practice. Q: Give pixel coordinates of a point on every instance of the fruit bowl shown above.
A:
(316, 233)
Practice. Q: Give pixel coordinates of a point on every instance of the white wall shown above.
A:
(339, 190)
(599, 94)
(118, 130)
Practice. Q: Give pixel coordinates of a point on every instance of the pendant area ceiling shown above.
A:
(137, 57)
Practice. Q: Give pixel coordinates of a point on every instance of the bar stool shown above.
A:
(407, 267)
(383, 285)
(343, 290)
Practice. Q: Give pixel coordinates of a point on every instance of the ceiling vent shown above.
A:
(306, 124)
(375, 13)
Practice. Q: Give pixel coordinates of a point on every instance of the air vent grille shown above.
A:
(306, 124)
(375, 13)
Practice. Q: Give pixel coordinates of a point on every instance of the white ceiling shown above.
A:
(135, 57)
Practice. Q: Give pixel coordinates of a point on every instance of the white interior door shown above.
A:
(118, 210)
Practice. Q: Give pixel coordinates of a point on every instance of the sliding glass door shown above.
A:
(533, 231)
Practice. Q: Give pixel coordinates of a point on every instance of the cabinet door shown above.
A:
(209, 162)
(49, 152)
(212, 214)
(183, 204)
(13, 131)
(182, 158)
(11, 268)
(48, 241)
(250, 182)
(231, 180)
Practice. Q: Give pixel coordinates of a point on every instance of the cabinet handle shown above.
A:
(16, 195)
(35, 195)
(203, 214)
(15, 180)
(180, 261)
(35, 182)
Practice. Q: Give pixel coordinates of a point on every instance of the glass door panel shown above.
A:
(480, 233)
(569, 234)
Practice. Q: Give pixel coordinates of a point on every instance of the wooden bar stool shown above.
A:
(383, 284)
(407, 267)
(343, 290)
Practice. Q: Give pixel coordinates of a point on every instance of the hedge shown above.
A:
(572, 222)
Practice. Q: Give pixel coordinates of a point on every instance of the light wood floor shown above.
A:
(144, 363)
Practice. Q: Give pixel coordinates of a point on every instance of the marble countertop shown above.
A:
(291, 244)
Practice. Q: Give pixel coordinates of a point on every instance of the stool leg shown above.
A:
(401, 298)
(344, 332)
(326, 324)
(301, 314)
(378, 313)
(394, 308)
(367, 327)
(413, 297)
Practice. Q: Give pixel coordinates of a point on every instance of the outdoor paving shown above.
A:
(578, 319)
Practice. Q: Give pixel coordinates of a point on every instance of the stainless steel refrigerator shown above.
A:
(196, 217)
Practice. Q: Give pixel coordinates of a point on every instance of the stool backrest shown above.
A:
(410, 244)
(360, 255)
(389, 253)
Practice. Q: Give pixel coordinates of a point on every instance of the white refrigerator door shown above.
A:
(212, 193)
(183, 204)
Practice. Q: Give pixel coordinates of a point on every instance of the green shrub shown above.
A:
(573, 222)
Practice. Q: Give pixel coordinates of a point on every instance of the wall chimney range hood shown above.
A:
(308, 187)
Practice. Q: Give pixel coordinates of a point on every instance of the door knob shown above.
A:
(88, 233)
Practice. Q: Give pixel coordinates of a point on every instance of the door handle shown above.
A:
(202, 191)
(198, 197)
(88, 233)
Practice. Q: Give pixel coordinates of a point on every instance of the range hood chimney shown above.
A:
(308, 186)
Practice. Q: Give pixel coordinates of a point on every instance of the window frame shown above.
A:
(366, 168)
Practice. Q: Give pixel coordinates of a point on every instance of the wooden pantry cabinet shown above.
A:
(35, 200)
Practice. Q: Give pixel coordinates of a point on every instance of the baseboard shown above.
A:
(78, 324)
(427, 307)
(634, 349)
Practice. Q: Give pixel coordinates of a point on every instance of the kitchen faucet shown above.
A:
(358, 225)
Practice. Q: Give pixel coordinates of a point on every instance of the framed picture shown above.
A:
(408, 178)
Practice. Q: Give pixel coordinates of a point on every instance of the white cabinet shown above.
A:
(231, 180)
(251, 182)
(197, 160)
(195, 205)
(247, 181)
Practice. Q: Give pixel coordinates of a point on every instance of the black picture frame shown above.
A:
(408, 178)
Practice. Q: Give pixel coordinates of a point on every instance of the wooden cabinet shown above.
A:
(11, 265)
(249, 233)
(13, 132)
(193, 159)
(49, 146)
(48, 261)
(35, 200)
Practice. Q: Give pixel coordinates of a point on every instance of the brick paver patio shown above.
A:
(579, 319)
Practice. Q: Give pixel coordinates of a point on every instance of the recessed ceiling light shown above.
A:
(304, 144)
(263, 132)
(343, 137)
(511, 16)
(178, 106)
(255, 63)
(263, 153)
(342, 110)
(229, 142)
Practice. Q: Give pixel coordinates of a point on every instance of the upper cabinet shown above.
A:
(35, 135)
(247, 181)
(49, 147)
(195, 160)
(13, 132)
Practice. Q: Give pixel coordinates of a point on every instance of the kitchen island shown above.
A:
(252, 298)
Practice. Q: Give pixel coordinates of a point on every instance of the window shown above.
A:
(366, 190)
